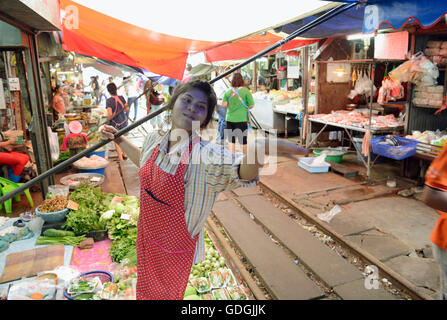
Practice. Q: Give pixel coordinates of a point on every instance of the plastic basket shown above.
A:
(406, 149)
(52, 217)
(97, 235)
(305, 164)
(104, 276)
(100, 171)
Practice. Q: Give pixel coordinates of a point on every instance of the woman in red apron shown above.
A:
(165, 247)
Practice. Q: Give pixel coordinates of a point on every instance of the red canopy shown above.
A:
(98, 35)
(247, 48)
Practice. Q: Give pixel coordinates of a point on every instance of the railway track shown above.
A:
(395, 286)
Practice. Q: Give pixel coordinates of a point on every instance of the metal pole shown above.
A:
(328, 15)
(372, 75)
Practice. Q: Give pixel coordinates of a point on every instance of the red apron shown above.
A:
(165, 249)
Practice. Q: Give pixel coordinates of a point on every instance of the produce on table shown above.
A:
(53, 204)
(119, 249)
(228, 278)
(92, 201)
(201, 284)
(192, 297)
(207, 296)
(109, 291)
(58, 233)
(212, 262)
(87, 296)
(78, 286)
(216, 279)
(221, 294)
(190, 291)
(124, 273)
(121, 219)
(126, 290)
(66, 240)
(236, 293)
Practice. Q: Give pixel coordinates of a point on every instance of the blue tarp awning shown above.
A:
(372, 15)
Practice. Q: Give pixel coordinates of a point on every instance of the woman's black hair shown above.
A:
(203, 86)
(111, 87)
(55, 89)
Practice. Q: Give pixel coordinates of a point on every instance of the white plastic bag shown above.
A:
(327, 216)
(54, 144)
(33, 290)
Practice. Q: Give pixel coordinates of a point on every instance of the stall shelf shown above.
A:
(268, 118)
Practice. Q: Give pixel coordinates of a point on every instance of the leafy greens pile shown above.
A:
(121, 219)
(92, 201)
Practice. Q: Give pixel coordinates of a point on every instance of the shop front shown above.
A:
(23, 94)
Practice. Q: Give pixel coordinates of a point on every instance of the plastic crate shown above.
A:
(305, 164)
(97, 235)
(406, 149)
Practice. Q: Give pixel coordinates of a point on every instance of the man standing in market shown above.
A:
(435, 196)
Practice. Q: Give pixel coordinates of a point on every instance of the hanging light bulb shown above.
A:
(340, 71)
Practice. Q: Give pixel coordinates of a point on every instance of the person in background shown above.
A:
(66, 95)
(95, 87)
(187, 76)
(132, 95)
(435, 196)
(16, 161)
(221, 87)
(116, 114)
(102, 91)
(58, 103)
(239, 101)
(156, 121)
(181, 176)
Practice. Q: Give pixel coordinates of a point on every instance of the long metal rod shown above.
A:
(328, 15)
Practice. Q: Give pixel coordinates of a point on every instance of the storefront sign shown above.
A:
(391, 45)
(293, 67)
(14, 84)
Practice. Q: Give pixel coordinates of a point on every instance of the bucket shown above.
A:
(335, 158)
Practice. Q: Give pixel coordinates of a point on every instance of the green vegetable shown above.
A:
(92, 201)
(126, 246)
(67, 240)
(58, 233)
(190, 291)
(192, 297)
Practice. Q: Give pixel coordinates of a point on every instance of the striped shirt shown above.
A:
(212, 169)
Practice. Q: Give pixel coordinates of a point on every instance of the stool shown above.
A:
(7, 186)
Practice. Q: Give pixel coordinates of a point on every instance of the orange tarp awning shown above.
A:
(101, 36)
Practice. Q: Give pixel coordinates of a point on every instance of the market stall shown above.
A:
(85, 241)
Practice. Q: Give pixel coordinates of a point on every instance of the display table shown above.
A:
(316, 125)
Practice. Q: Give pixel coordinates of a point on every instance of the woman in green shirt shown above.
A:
(238, 100)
